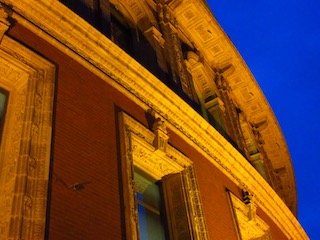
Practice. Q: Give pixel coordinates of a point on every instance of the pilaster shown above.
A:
(174, 52)
(232, 119)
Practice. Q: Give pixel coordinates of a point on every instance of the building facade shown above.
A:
(135, 119)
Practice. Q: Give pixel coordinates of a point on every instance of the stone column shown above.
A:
(232, 120)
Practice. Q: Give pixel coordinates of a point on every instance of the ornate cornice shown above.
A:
(69, 33)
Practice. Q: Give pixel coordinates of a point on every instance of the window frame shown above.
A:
(25, 153)
(149, 151)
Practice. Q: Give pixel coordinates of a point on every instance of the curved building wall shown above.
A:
(122, 121)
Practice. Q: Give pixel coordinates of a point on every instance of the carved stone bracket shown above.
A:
(155, 37)
(258, 136)
(221, 82)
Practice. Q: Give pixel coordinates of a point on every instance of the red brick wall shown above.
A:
(84, 149)
(275, 231)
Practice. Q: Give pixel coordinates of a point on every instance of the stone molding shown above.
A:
(25, 151)
(82, 42)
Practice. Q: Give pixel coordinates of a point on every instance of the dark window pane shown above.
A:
(3, 106)
(85, 9)
(149, 206)
(120, 34)
(150, 225)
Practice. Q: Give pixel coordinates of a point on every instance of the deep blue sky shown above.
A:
(280, 42)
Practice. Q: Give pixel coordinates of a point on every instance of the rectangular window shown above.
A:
(150, 207)
(3, 107)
